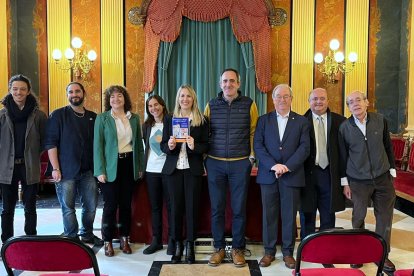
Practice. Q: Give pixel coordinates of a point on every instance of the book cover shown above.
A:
(181, 128)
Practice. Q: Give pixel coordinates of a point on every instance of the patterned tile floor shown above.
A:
(49, 222)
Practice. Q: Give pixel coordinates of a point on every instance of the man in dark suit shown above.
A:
(323, 189)
(281, 144)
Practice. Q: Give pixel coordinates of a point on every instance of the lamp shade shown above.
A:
(92, 55)
(56, 54)
(76, 42)
(318, 58)
(334, 44)
(69, 53)
(353, 57)
(339, 57)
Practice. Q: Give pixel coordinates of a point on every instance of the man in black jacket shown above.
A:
(69, 142)
(323, 191)
(368, 158)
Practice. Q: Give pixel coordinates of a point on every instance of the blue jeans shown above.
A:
(85, 186)
(235, 174)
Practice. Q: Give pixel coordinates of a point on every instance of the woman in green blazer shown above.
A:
(118, 163)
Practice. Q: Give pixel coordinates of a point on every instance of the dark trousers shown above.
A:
(279, 199)
(235, 175)
(184, 191)
(322, 182)
(117, 195)
(10, 196)
(158, 194)
(381, 192)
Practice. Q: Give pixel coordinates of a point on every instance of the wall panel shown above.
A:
(134, 60)
(87, 26)
(330, 24)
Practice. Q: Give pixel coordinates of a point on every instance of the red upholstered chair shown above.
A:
(399, 146)
(404, 183)
(47, 253)
(339, 246)
(44, 161)
(404, 272)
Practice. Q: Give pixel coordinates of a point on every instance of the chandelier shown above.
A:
(77, 60)
(334, 62)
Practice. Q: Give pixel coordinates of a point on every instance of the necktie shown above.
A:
(323, 157)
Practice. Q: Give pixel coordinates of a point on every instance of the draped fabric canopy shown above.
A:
(249, 22)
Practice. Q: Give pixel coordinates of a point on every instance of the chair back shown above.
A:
(410, 165)
(398, 145)
(339, 246)
(47, 253)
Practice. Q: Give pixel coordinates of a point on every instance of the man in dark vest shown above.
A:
(233, 120)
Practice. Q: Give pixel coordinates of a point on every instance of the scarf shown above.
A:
(15, 114)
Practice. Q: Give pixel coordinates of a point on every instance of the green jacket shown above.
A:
(105, 146)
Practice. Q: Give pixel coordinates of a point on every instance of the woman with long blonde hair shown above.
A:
(184, 169)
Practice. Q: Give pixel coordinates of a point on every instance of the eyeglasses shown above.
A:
(285, 97)
(357, 100)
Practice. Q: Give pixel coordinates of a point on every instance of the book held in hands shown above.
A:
(181, 128)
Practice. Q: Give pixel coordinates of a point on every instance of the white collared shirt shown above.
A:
(123, 132)
(315, 128)
(281, 123)
(362, 126)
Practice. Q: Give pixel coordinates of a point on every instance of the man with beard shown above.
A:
(21, 133)
(69, 141)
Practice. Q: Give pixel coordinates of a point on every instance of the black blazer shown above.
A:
(308, 193)
(195, 157)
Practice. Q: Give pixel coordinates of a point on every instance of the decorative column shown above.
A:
(58, 30)
(302, 53)
(4, 56)
(112, 46)
(356, 40)
(410, 85)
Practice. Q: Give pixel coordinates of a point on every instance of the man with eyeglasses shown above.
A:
(368, 164)
(281, 144)
(323, 191)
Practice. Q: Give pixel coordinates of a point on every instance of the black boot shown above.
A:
(178, 253)
(155, 245)
(189, 252)
(170, 247)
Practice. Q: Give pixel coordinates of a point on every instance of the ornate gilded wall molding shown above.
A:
(138, 15)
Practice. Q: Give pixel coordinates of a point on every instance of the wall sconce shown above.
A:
(77, 60)
(334, 62)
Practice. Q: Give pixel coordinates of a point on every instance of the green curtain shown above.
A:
(198, 57)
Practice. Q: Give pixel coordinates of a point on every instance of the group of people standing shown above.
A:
(306, 163)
